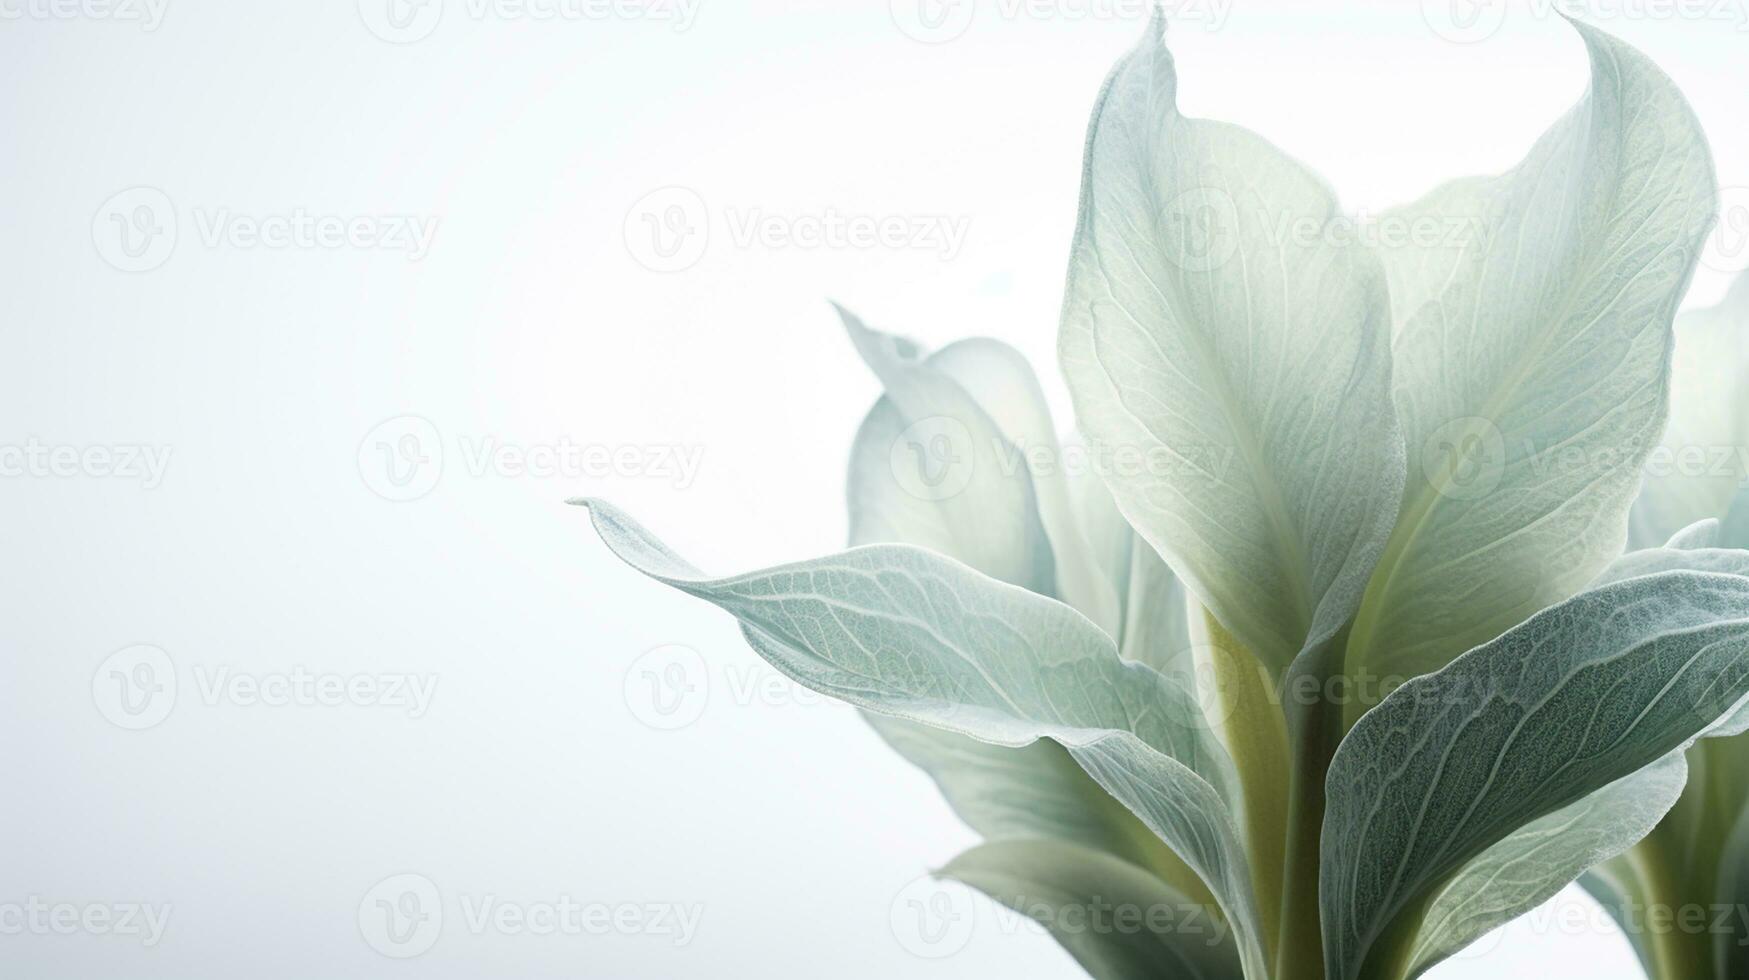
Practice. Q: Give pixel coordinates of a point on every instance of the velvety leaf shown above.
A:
(1703, 460)
(1530, 364)
(1450, 764)
(930, 467)
(901, 631)
(1118, 921)
(1542, 857)
(1215, 338)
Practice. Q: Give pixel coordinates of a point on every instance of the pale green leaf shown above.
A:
(1703, 460)
(1448, 765)
(1214, 337)
(1118, 921)
(1530, 364)
(902, 631)
(929, 466)
(1542, 857)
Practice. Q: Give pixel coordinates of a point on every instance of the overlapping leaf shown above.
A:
(1530, 364)
(902, 631)
(1214, 336)
(1579, 696)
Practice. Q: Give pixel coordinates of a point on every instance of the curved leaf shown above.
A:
(905, 632)
(1544, 856)
(1451, 763)
(1530, 365)
(931, 467)
(1241, 363)
(1118, 921)
(1703, 460)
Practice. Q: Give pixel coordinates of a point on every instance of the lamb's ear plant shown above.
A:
(1681, 895)
(1321, 466)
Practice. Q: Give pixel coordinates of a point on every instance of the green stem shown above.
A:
(1314, 726)
(1675, 954)
(1255, 734)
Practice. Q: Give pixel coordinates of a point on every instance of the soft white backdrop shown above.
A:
(256, 305)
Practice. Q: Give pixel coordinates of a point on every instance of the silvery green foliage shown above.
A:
(1696, 858)
(1414, 460)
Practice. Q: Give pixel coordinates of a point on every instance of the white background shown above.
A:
(267, 548)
